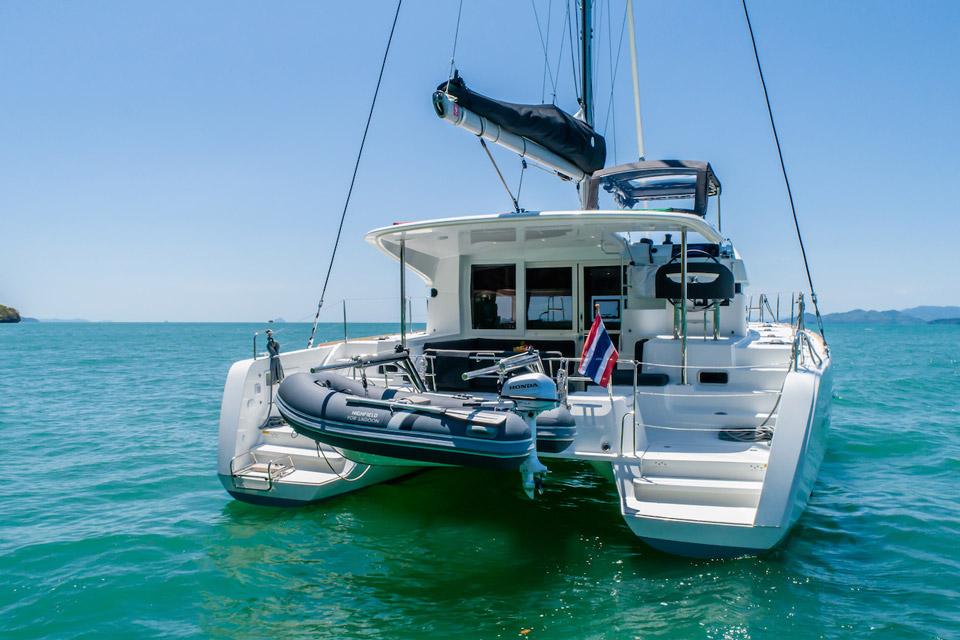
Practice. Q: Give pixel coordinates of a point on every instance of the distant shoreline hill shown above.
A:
(914, 315)
(9, 314)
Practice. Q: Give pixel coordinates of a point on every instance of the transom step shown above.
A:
(696, 491)
(719, 461)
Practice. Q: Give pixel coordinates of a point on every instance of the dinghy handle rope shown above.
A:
(813, 293)
(337, 473)
(356, 166)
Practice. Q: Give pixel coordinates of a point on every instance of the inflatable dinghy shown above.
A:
(424, 427)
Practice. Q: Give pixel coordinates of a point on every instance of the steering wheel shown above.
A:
(696, 307)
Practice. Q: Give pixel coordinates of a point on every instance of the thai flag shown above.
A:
(599, 355)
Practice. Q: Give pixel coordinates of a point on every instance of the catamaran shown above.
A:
(711, 417)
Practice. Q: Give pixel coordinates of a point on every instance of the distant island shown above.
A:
(9, 314)
(915, 315)
(923, 315)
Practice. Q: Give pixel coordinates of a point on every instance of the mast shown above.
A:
(636, 82)
(586, 59)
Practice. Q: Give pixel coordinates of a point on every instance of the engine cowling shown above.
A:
(531, 392)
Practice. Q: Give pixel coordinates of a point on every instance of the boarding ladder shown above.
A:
(252, 470)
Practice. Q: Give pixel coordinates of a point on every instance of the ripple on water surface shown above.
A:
(116, 526)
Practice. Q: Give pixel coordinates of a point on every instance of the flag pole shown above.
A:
(596, 314)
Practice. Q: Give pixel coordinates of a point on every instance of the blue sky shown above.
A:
(189, 161)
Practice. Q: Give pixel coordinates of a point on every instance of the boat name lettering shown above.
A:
(363, 416)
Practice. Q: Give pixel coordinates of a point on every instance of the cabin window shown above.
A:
(603, 286)
(550, 298)
(493, 296)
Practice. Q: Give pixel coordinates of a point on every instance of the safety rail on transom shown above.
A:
(429, 372)
(559, 368)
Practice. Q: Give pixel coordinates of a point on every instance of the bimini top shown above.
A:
(545, 124)
(630, 184)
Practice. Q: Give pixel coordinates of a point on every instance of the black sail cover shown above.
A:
(544, 124)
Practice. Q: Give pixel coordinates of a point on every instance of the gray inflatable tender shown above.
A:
(424, 427)
(556, 430)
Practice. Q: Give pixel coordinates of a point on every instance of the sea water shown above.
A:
(114, 524)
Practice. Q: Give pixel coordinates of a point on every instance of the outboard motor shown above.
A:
(532, 394)
(528, 395)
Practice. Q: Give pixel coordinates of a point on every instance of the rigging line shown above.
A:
(613, 79)
(611, 108)
(516, 206)
(453, 55)
(563, 37)
(356, 166)
(535, 165)
(595, 37)
(546, 59)
(523, 169)
(546, 62)
(574, 50)
(783, 168)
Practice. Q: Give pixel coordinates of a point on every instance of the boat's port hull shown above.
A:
(291, 494)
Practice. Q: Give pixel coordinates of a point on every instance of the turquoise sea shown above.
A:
(114, 524)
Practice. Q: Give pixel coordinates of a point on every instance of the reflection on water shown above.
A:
(454, 549)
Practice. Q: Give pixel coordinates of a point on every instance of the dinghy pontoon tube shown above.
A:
(422, 427)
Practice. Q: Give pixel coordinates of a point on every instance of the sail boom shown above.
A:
(490, 131)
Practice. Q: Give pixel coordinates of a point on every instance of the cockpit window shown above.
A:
(493, 296)
(550, 298)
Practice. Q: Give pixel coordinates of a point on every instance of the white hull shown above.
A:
(305, 473)
(682, 488)
(741, 501)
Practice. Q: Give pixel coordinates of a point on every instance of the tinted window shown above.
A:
(550, 298)
(493, 296)
(602, 285)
